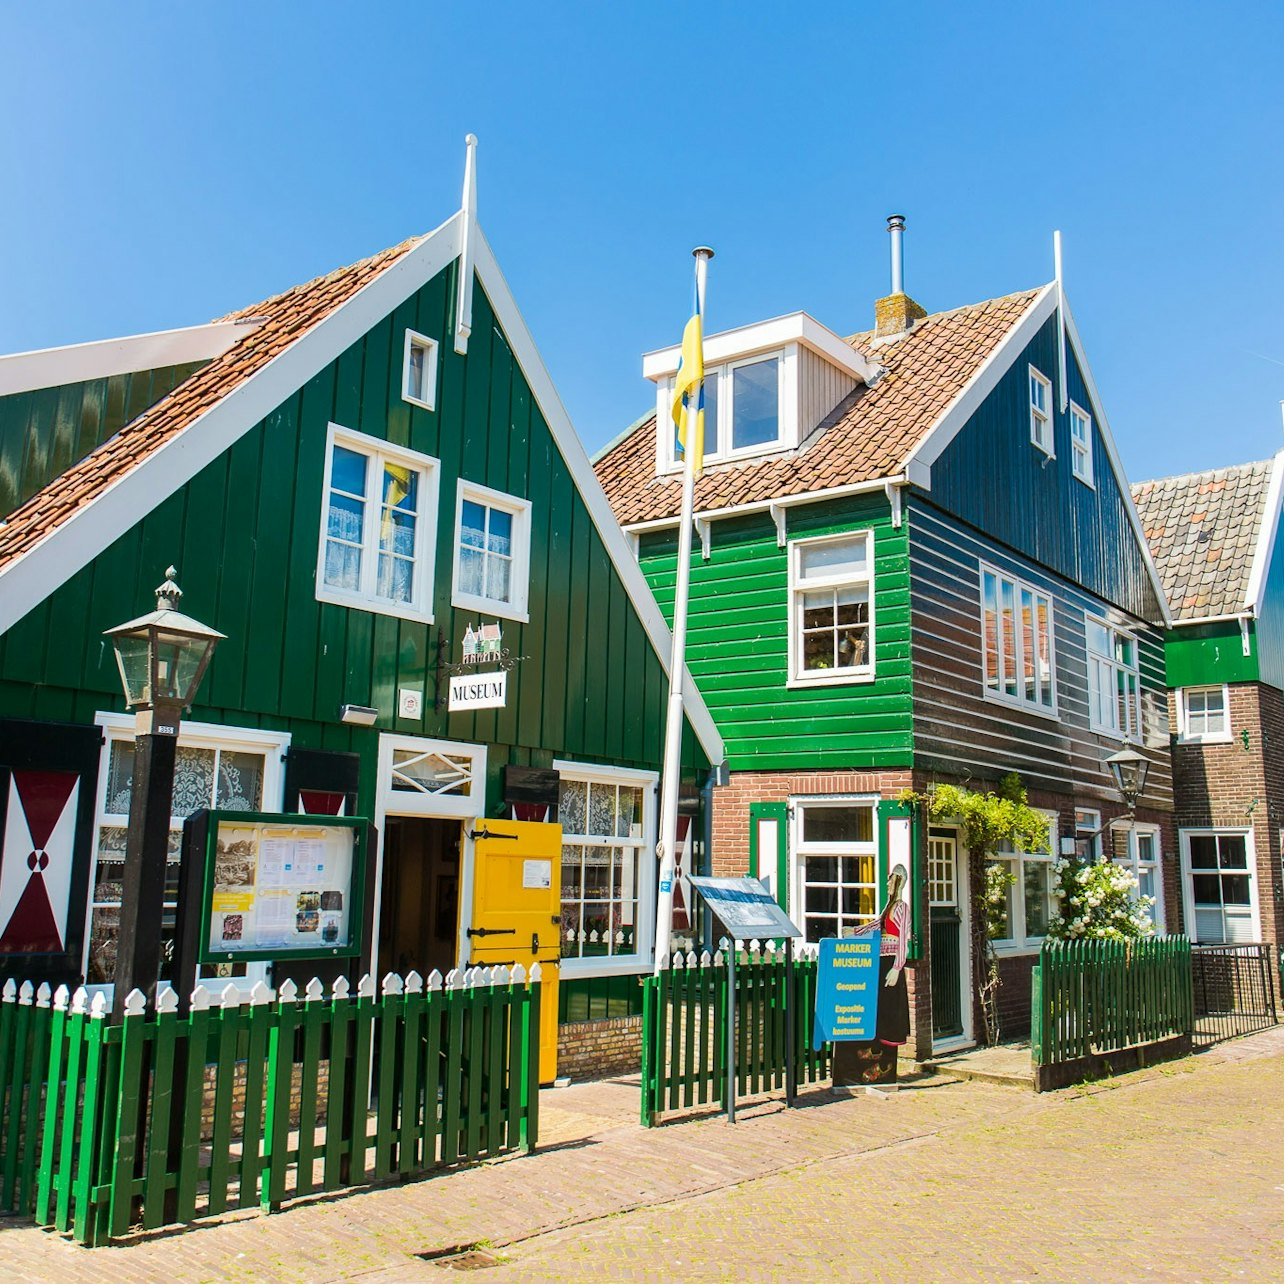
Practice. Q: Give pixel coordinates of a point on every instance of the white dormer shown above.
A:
(766, 387)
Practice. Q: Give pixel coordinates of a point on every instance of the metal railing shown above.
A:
(1234, 991)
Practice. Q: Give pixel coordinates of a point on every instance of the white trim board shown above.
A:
(30, 578)
(80, 362)
(1259, 573)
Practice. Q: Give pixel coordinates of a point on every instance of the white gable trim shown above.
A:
(568, 442)
(80, 362)
(918, 463)
(1254, 597)
(77, 540)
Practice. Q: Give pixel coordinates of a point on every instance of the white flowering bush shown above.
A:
(1099, 902)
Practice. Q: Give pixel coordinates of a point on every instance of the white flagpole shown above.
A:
(671, 772)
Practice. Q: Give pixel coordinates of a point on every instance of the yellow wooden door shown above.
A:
(517, 909)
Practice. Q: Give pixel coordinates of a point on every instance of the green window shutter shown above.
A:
(888, 810)
(768, 859)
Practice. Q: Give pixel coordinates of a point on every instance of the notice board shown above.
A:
(280, 886)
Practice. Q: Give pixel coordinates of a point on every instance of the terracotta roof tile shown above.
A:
(285, 318)
(871, 437)
(1202, 530)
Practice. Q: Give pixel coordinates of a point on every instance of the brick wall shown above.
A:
(1240, 784)
(238, 1097)
(599, 1049)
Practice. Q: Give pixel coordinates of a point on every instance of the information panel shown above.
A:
(281, 887)
(747, 909)
(847, 988)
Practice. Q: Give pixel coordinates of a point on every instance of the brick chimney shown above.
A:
(897, 312)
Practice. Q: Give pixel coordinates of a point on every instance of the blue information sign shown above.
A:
(847, 988)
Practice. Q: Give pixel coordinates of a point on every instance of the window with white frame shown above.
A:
(231, 768)
(1140, 855)
(1220, 896)
(608, 864)
(419, 373)
(835, 866)
(1081, 444)
(1041, 411)
(745, 408)
(1114, 681)
(1016, 641)
(492, 551)
(831, 609)
(378, 520)
(1030, 901)
(1087, 833)
(1203, 715)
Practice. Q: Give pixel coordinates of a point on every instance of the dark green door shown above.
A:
(947, 934)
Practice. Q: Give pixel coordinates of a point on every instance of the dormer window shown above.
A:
(742, 410)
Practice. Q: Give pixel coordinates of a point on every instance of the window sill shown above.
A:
(673, 468)
(1221, 738)
(1048, 452)
(485, 606)
(1086, 481)
(857, 677)
(375, 606)
(612, 965)
(1017, 951)
(414, 401)
(1039, 711)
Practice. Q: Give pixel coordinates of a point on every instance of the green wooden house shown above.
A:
(1215, 537)
(356, 479)
(917, 561)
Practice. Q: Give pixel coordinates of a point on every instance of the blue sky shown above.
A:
(165, 164)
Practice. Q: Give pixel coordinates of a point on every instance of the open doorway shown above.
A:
(419, 921)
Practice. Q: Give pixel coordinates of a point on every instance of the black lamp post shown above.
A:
(1129, 769)
(162, 657)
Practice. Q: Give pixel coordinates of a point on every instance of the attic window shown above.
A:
(419, 380)
(1041, 411)
(745, 411)
(1081, 444)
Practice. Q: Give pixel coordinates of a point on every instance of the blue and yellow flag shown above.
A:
(688, 392)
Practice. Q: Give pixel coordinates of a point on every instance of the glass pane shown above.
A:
(396, 578)
(400, 488)
(852, 605)
(472, 569)
(990, 628)
(1007, 612)
(193, 781)
(1028, 689)
(572, 803)
(342, 566)
(103, 930)
(711, 414)
(397, 533)
(858, 869)
(501, 532)
(344, 517)
(415, 374)
(1035, 879)
(1207, 889)
(1098, 639)
(822, 900)
(755, 404)
(818, 650)
(1234, 852)
(498, 578)
(1203, 851)
(841, 824)
(1235, 890)
(348, 471)
(821, 869)
(240, 781)
(571, 874)
(472, 524)
(818, 609)
(629, 814)
(601, 810)
(834, 557)
(120, 775)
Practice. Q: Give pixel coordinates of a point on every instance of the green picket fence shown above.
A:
(1092, 997)
(250, 1100)
(25, 1019)
(684, 1027)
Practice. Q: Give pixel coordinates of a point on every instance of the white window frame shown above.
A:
(416, 340)
(1131, 861)
(1041, 421)
(1020, 942)
(648, 867)
(520, 574)
(855, 674)
(1081, 446)
(800, 850)
(998, 695)
(1088, 830)
(786, 410)
(1096, 663)
(1188, 887)
(119, 727)
(1184, 733)
(379, 452)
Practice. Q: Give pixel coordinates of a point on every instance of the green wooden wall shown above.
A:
(738, 642)
(243, 534)
(44, 432)
(1206, 654)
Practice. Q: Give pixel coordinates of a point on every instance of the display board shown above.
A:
(281, 886)
(747, 909)
(847, 988)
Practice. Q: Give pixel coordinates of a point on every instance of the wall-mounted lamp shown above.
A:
(358, 715)
(1129, 769)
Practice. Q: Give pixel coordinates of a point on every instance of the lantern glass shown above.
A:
(179, 665)
(1129, 769)
(132, 658)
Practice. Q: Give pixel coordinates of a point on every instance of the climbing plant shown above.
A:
(989, 818)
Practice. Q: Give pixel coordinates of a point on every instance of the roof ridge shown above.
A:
(1206, 473)
(1032, 291)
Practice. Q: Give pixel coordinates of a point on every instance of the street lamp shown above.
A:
(162, 658)
(1129, 769)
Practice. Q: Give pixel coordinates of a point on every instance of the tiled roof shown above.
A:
(1202, 530)
(869, 436)
(285, 318)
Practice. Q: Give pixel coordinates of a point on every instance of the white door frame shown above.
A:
(404, 802)
(963, 895)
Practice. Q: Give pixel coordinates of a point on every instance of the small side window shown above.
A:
(1041, 411)
(419, 377)
(1081, 444)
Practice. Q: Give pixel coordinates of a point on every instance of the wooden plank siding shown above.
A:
(994, 478)
(738, 642)
(821, 386)
(957, 729)
(244, 536)
(46, 430)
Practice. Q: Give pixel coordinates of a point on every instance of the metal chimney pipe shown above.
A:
(896, 227)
